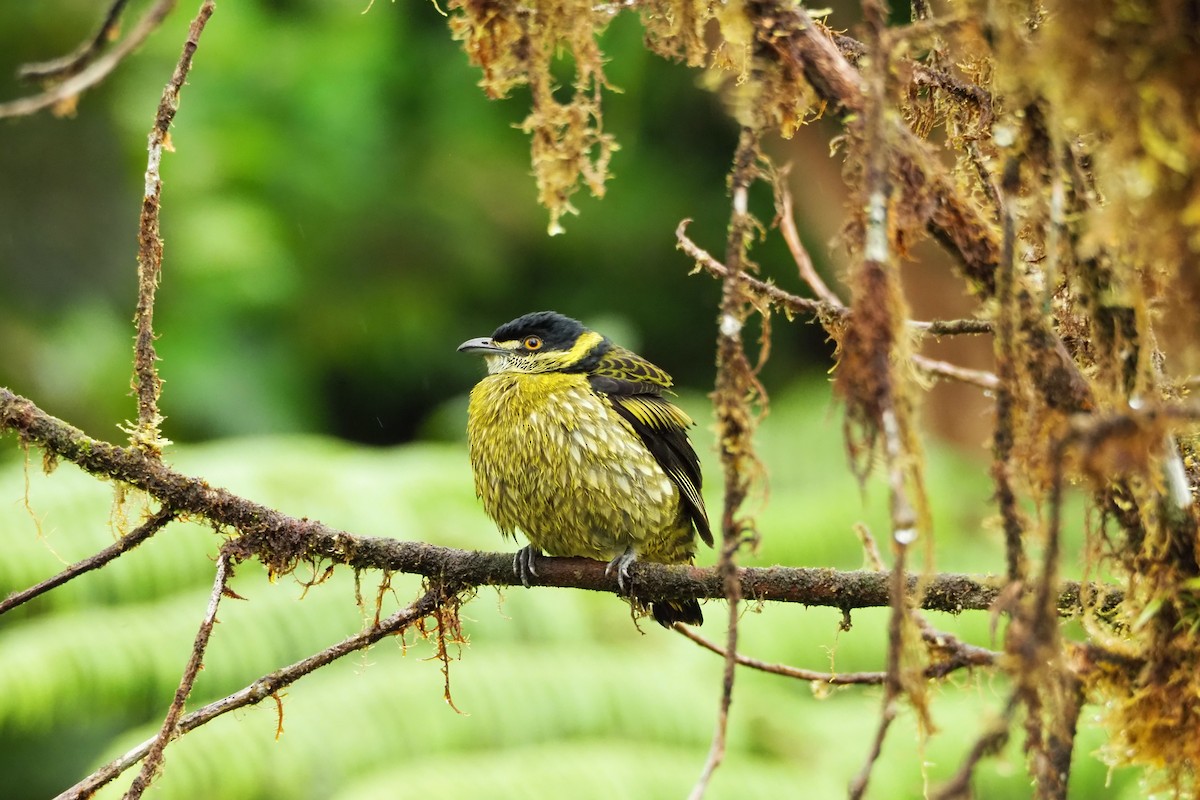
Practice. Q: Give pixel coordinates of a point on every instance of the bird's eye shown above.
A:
(532, 343)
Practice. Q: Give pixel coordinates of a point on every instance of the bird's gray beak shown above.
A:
(483, 346)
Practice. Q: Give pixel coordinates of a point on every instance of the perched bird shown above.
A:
(572, 443)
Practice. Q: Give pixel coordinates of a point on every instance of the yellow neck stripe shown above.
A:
(583, 345)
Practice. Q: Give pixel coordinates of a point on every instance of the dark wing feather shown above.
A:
(627, 373)
(635, 387)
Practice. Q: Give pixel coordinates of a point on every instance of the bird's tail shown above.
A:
(668, 612)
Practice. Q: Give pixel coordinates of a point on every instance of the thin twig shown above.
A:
(122, 545)
(71, 64)
(953, 653)
(787, 301)
(831, 306)
(831, 678)
(736, 388)
(962, 655)
(944, 369)
(989, 742)
(795, 304)
(870, 547)
(150, 247)
(787, 226)
(716, 750)
(829, 302)
(65, 94)
(154, 756)
(270, 684)
(985, 178)
(892, 683)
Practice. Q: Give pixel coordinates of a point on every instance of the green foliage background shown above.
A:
(343, 208)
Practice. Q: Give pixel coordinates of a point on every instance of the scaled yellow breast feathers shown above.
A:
(573, 444)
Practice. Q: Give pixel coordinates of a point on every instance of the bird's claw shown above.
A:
(621, 565)
(523, 564)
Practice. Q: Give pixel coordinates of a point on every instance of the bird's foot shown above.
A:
(523, 566)
(621, 565)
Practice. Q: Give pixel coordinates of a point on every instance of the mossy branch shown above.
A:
(281, 542)
(146, 382)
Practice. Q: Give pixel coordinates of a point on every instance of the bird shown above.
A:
(572, 442)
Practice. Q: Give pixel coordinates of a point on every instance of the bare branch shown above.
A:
(951, 652)
(964, 656)
(832, 308)
(944, 369)
(989, 742)
(892, 680)
(169, 731)
(789, 302)
(69, 65)
(795, 304)
(65, 94)
(858, 785)
(122, 545)
(787, 226)
(269, 685)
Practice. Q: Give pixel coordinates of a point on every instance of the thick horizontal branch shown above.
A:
(811, 586)
(281, 542)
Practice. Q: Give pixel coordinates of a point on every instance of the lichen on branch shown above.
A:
(521, 44)
(517, 44)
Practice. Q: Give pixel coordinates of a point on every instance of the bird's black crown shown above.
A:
(555, 330)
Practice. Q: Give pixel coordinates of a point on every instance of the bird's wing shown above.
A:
(621, 371)
(634, 387)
